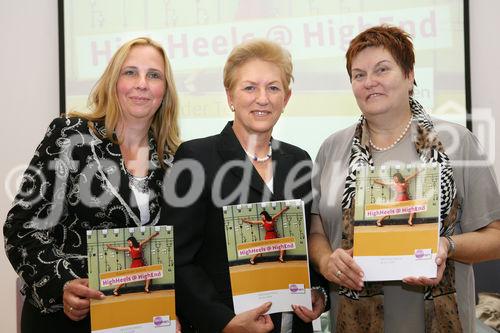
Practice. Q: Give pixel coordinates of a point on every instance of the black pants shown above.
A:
(32, 321)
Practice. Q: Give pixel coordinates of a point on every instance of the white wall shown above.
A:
(485, 73)
(29, 94)
(29, 98)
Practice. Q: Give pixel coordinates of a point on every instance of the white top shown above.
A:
(286, 322)
(138, 185)
(270, 184)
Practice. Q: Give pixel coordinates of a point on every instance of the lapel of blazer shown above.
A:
(155, 181)
(230, 150)
(103, 151)
(156, 171)
(282, 164)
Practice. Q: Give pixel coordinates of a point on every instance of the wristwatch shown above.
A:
(451, 246)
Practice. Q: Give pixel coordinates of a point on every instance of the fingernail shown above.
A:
(102, 295)
(361, 274)
(268, 304)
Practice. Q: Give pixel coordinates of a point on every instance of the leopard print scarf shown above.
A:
(364, 311)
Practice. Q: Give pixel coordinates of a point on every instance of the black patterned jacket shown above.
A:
(76, 181)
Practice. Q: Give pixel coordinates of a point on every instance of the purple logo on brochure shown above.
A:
(160, 321)
(423, 254)
(296, 288)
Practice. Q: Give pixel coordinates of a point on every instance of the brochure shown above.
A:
(134, 268)
(396, 221)
(267, 253)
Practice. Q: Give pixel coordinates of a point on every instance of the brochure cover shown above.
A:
(267, 253)
(396, 221)
(134, 268)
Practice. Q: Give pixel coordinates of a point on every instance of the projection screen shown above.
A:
(199, 34)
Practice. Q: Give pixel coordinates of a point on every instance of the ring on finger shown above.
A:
(338, 274)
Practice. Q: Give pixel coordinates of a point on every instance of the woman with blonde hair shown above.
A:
(99, 170)
(242, 164)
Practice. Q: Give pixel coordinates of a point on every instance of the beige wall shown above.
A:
(30, 95)
(29, 91)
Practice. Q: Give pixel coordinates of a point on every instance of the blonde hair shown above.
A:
(261, 49)
(104, 105)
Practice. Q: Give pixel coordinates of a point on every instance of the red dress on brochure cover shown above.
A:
(134, 268)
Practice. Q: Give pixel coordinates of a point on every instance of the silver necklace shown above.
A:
(395, 142)
(139, 183)
(260, 159)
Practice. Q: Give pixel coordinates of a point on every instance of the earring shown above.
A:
(232, 107)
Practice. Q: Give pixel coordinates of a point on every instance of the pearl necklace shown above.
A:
(260, 159)
(395, 142)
